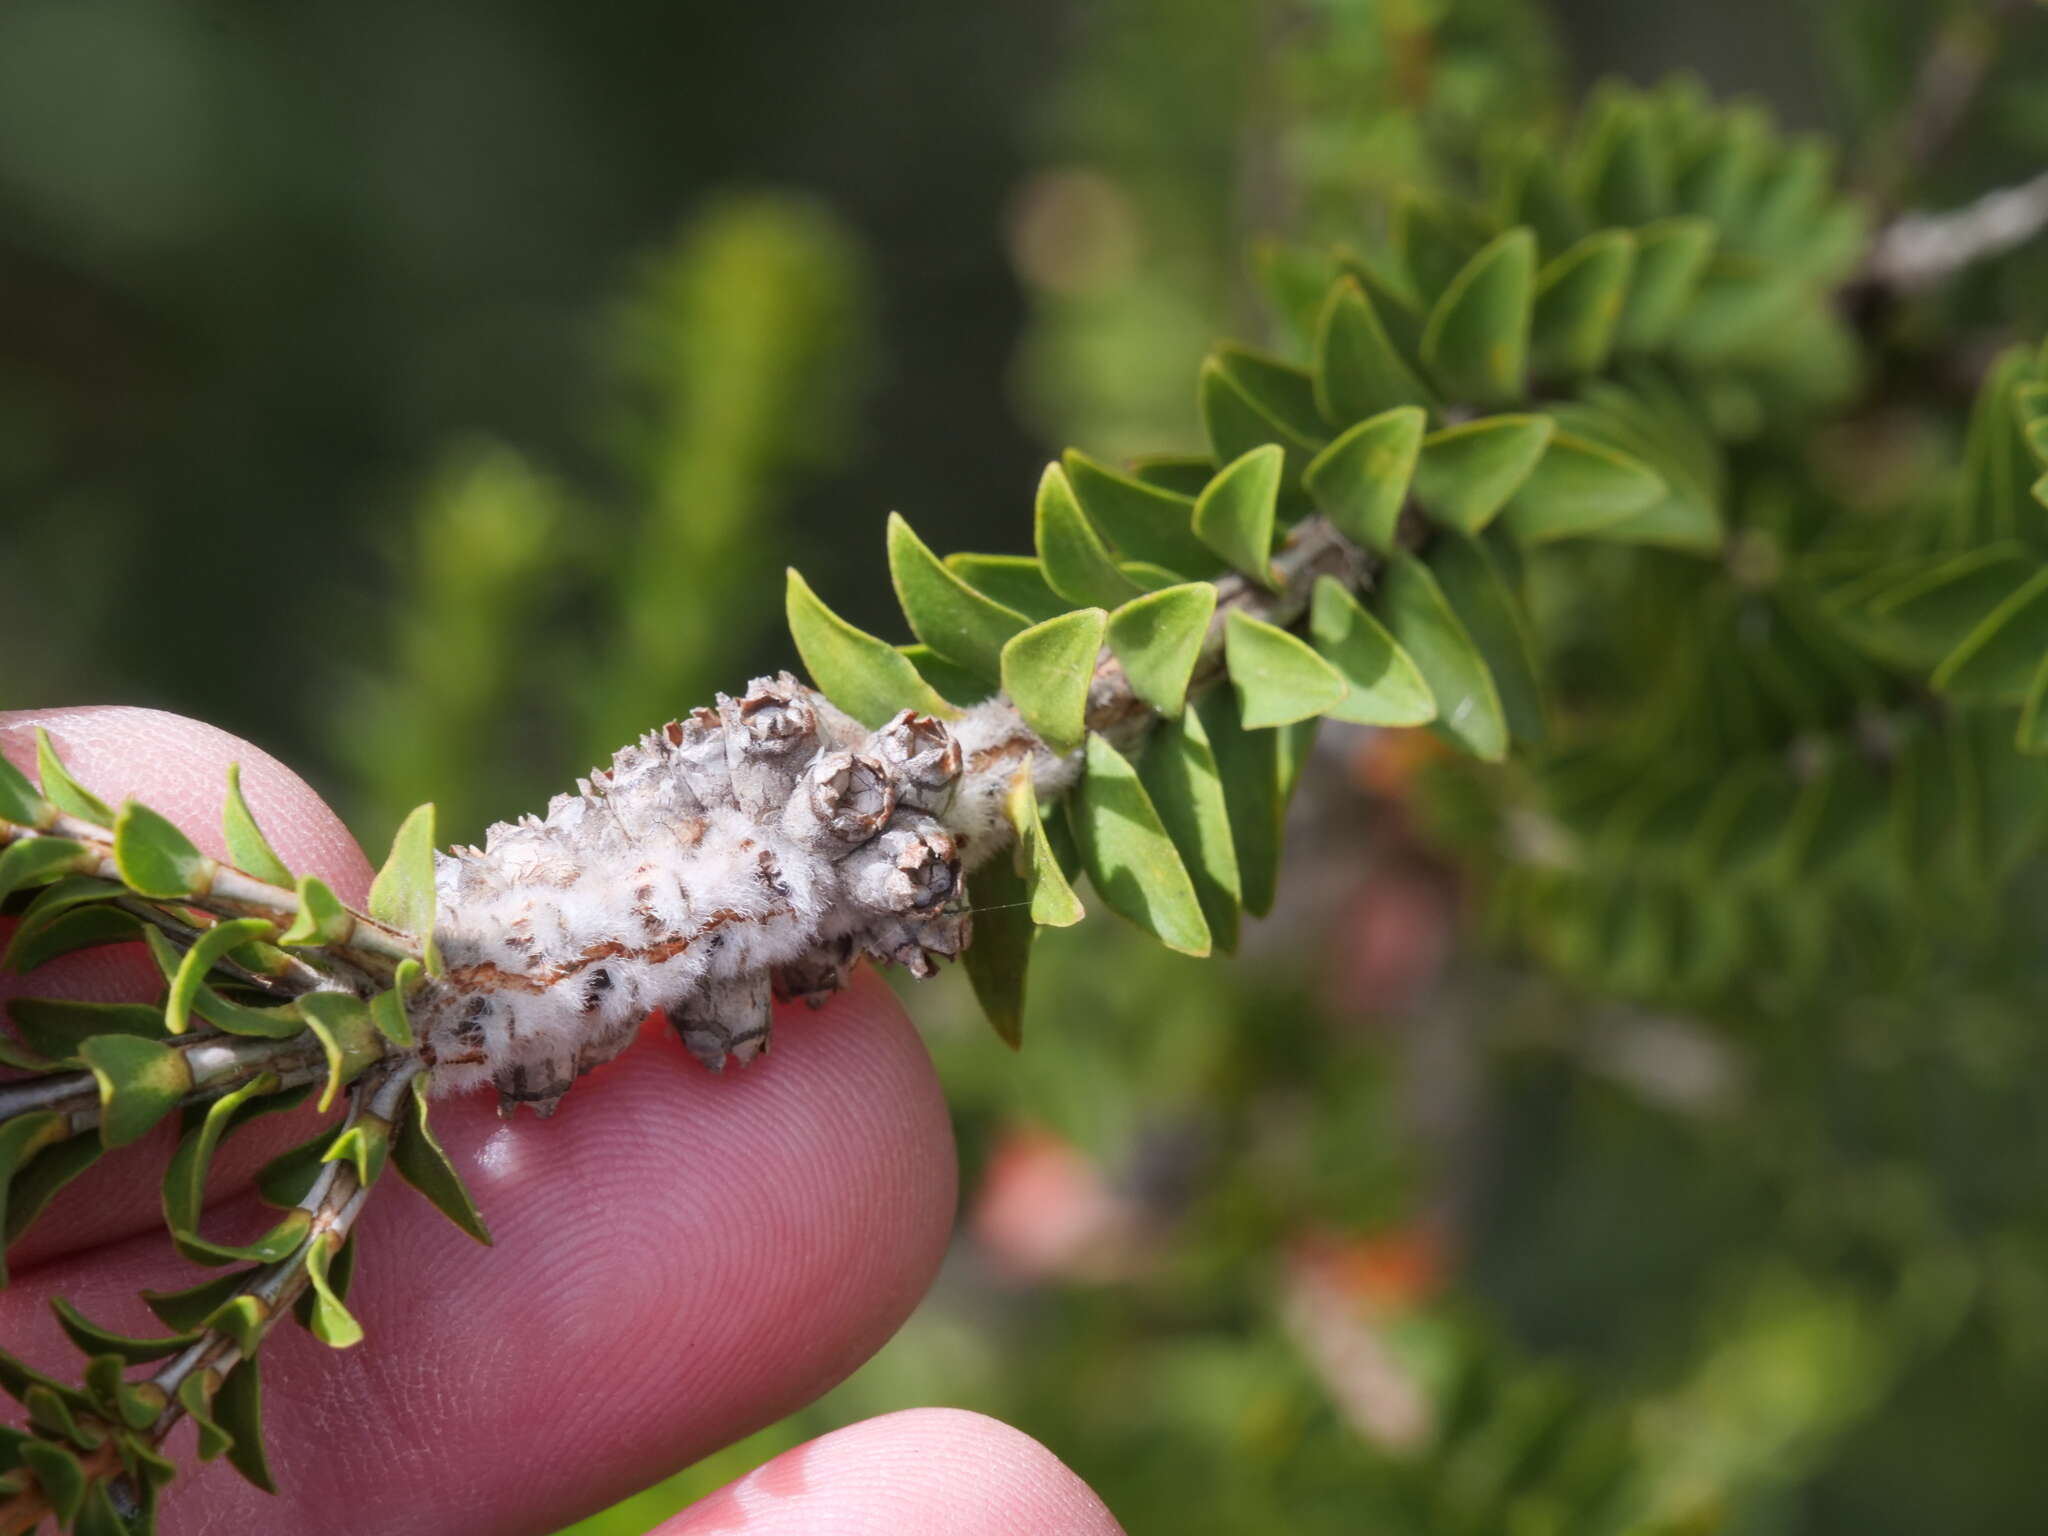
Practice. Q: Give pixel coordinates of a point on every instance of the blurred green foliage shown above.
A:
(1381, 1226)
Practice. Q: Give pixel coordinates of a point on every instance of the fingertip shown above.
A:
(178, 767)
(923, 1472)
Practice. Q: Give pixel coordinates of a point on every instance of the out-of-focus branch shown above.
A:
(1916, 251)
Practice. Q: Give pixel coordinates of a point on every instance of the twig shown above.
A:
(1916, 251)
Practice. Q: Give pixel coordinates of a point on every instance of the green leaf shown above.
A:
(1580, 297)
(1385, 688)
(1476, 344)
(69, 796)
(279, 1023)
(287, 1178)
(954, 683)
(37, 1184)
(195, 1396)
(421, 1162)
(1047, 671)
(331, 1322)
(1053, 903)
(184, 1194)
(95, 1340)
(140, 1082)
(80, 928)
(321, 918)
(248, 849)
(999, 959)
(20, 802)
(1015, 581)
(22, 1139)
(1467, 473)
(197, 961)
(156, 859)
(57, 1026)
(39, 860)
(364, 1146)
(1143, 521)
(1184, 474)
(340, 1021)
(238, 1410)
(945, 612)
(1282, 395)
(1279, 679)
(2032, 735)
(387, 1008)
(60, 1476)
(1158, 639)
(274, 1245)
(1071, 553)
(403, 892)
(1234, 424)
(1468, 705)
(1179, 772)
(1492, 615)
(1671, 258)
(864, 676)
(1235, 512)
(1998, 659)
(1627, 176)
(187, 1309)
(1248, 763)
(1361, 481)
(1434, 240)
(1359, 372)
(1935, 610)
(1579, 488)
(1129, 857)
(52, 901)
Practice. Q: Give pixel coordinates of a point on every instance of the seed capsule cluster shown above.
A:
(751, 851)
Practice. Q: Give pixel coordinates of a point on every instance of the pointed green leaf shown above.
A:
(1158, 639)
(1235, 426)
(1052, 900)
(1671, 258)
(20, 802)
(1627, 175)
(1998, 659)
(1580, 297)
(1184, 474)
(1934, 610)
(1143, 521)
(1248, 763)
(287, 1178)
(22, 1139)
(2032, 735)
(1015, 581)
(37, 1184)
(945, 612)
(276, 1244)
(1468, 705)
(1234, 515)
(1493, 616)
(195, 1396)
(95, 1340)
(364, 1146)
(59, 1475)
(1047, 671)
(51, 902)
(1281, 393)
(279, 1023)
(1384, 686)
(1179, 772)
(39, 860)
(420, 1161)
(238, 1410)
(1071, 553)
(57, 1026)
(403, 892)
(155, 858)
(1579, 488)
(1536, 195)
(69, 796)
(1359, 372)
(1468, 472)
(184, 1195)
(81, 928)
(1279, 679)
(321, 918)
(1476, 345)
(1361, 481)
(248, 849)
(140, 1082)
(341, 1022)
(999, 959)
(864, 676)
(387, 1008)
(1129, 858)
(1434, 241)
(192, 970)
(331, 1322)
(188, 1309)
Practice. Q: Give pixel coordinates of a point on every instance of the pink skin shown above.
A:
(680, 1259)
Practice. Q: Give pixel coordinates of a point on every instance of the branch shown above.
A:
(1917, 251)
